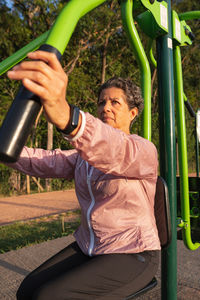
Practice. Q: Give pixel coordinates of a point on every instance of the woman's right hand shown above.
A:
(44, 76)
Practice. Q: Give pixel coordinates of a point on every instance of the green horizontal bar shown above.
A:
(190, 15)
(12, 60)
(60, 33)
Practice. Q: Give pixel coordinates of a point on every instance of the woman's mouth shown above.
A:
(106, 119)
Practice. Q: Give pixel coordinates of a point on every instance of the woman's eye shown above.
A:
(115, 102)
(101, 102)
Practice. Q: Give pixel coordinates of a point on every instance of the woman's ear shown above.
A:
(133, 113)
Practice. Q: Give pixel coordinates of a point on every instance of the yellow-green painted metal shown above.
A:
(197, 141)
(136, 44)
(154, 20)
(190, 15)
(151, 55)
(180, 31)
(182, 150)
(14, 59)
(60, 33)
(67, 20)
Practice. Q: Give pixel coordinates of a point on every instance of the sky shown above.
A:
(9, 3)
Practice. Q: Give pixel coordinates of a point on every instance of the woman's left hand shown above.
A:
(44, 76)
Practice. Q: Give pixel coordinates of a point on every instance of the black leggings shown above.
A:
(71, 275)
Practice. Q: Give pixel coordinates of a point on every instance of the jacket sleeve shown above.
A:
(46, 163)
(112, 151)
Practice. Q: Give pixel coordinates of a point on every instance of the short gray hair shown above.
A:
(131, 91)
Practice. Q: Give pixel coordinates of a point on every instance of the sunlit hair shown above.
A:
(131, 91)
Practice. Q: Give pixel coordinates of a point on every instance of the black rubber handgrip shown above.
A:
(190, 109)
(19, 120)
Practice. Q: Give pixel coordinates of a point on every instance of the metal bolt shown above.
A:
(190, 34)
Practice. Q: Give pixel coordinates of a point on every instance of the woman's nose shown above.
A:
(107, 106)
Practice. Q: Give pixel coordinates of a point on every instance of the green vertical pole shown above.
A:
(197, 144)
(182, 150)
(145, 71)
(168, 152)
(197, 156)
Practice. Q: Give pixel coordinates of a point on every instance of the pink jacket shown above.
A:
(115, 177)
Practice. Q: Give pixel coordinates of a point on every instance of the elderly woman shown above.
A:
(116, 248)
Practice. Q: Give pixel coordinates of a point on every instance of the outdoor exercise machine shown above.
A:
(170, 32)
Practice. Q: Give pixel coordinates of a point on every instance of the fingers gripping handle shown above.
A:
(19, 119)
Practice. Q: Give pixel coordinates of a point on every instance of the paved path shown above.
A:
(36, 205)
(15, 265)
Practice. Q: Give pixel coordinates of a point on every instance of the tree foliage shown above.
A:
(98, 49)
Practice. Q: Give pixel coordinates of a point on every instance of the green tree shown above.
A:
(98, 49)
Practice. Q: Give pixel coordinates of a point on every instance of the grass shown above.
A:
(21, 234)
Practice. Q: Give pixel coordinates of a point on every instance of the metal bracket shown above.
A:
(182, 33)
(154, 20)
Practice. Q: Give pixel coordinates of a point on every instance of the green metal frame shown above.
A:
(136, 44)
(62, 30)
(197, 143)
(181, 126)
(18, 56)
(152, 20)
(168, 153)
(190, 15)
(67, 20)
(180, 36)
(182, 149)
(60, 33)
(159, 22)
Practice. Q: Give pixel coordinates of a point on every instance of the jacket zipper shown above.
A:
(91, 245)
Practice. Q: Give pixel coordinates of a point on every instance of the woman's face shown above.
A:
(113, 109)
